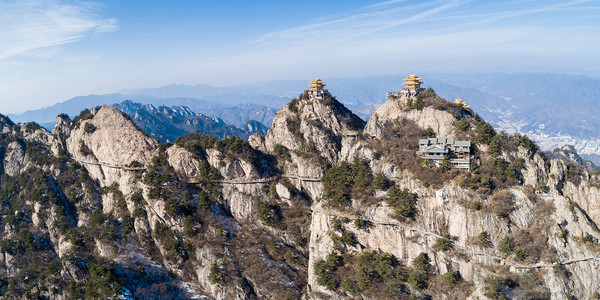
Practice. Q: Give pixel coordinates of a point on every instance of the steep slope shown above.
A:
(310, 134)
(114, 213)
(426, 110)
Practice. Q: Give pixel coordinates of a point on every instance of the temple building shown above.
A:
(317, 85)
(435, 150)
(412, 82)
(461, 103)
(317, 89)
(412, 86)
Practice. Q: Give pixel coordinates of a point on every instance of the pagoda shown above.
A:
(412, 82)
(461, 103)
(316, 85)
(412, 86)
(317, 89)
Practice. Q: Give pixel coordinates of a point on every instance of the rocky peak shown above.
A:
(62, 129)
(5, 123)
(313, 125)
(426, 109)
(108, 137)
(568, 153)
(253, 126)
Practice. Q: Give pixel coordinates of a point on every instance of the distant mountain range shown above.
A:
(554, 109)
(232, 114)
(168, 123)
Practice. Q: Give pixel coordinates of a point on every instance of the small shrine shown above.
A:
(412, 82)
(412, 86)
(317, 85)
(461, 103)
(317, 89)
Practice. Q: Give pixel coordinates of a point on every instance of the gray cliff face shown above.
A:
(395, 108)
(101, 210)
(313, 125)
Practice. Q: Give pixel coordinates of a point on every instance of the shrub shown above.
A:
(167, 239)
(524, 141)
(502, 203)
(282, 152)
(127, 224)
(373, 268)
(463, 124)
(189, 226)
(522, 253)
(349, 286)
(484, 133)
(337, 224)
(417, 280)
(419, 103)
(325, 271)
(560, 270)
(429, 132)
(203, 202)
(349, 238)
(451, 277)
(404, 202)
(89, 128)
(421, 262)
(543, 187)
(445, 243)
(484, 240)
(83, 115)
(293, 105)
(269, 214)
(345, 180)
(588, 238)
(505, 245)
(563, 233)
(215, 274)
(376, 155)
(84, 149)
(300, 241)
(494, 149)
(360, 223)
(498, 288)
(381, 182)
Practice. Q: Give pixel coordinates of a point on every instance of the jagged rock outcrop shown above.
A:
(62, 130)
(14, 159)
(395, 108)
(313, 125)
(109, 138)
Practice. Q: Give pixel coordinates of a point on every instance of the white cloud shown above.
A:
(34, 24)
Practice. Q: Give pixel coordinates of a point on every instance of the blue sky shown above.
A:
(52, 50)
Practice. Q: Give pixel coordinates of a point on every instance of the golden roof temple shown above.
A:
(461, 103)
(412, 82)
(317, 85)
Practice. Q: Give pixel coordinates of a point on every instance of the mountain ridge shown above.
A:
(324, 206)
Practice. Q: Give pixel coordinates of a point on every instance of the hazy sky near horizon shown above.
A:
(53, 50)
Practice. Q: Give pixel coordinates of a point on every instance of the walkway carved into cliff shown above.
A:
(222, 181)
(124, 167)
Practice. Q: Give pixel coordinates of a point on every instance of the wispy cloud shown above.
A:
(361, 22)
(27, 25)
(406, 19)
